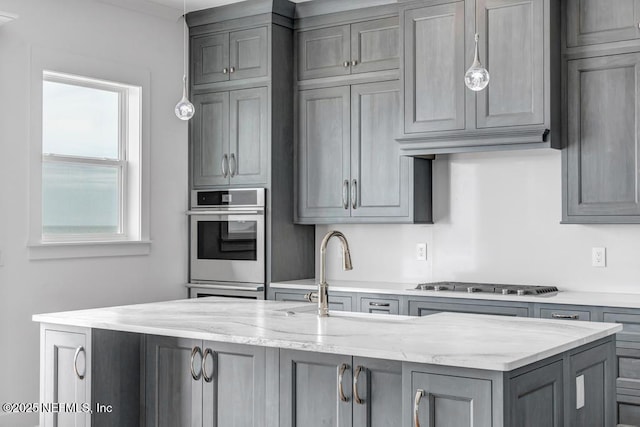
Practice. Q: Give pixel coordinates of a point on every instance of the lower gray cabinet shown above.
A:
(536, 398)
(338, 302)
(204, 384)
(419, 307)
(378, 304)
(318, 390)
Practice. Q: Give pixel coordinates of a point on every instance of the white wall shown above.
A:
(106, 32)
(497, 219)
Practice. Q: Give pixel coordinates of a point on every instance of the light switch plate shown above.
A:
(579, 391)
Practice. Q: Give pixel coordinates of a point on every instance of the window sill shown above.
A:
(62, 250)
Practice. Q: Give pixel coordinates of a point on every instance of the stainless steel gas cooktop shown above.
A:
(520, 290)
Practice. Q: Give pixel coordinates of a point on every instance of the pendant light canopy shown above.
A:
(184, 108)
(477, 77)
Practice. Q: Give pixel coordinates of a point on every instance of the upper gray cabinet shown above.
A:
(350, 169)
(234, 55)
(345, 49)
(519, 45)
(592, 22)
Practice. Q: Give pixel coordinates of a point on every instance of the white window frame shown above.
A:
(133, 84)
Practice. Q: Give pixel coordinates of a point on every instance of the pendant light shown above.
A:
(184, 109)
(477, 77)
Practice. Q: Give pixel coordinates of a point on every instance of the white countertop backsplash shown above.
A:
(451, 339)
(597, 299)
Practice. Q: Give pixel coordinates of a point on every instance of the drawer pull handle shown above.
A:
(196, 350)
(208, 378)
(75, 362)
(356, 375)
(341, 369)
(416, 407)
(565, 316)
(379, 304)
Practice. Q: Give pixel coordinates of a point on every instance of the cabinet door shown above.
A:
(249, 136)
(380, 177)
(338, 302)
(434, 67)
(66, 376)
(210, 59)
(378, 384)
(249, 53)
(324, 52)
(451, 401)
(596, 21)
(173, 396)
(233, 385)
(210, 139)
(512, 48)
(375, 45)
(324, 153)
(536, 398)
(603, 123)
(310, 389)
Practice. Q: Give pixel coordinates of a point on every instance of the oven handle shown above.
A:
(243, 287)
(225, 212)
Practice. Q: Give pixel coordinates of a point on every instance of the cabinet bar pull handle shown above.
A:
(225, 166)
(232, 69)
(345, 195)
(354, 62)
(341, 370)
(416, 407)
(565, 316)
(346, 64)
(379, 304)
(233, 169)
(75, 362)
(225, 70)
(196, 350)
(205, 375)
(354, 194)
(356, 396)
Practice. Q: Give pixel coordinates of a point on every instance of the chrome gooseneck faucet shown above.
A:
(322, 296)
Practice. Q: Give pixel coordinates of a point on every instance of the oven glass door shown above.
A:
(227, 247)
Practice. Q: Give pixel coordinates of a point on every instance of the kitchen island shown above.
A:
(219, 361)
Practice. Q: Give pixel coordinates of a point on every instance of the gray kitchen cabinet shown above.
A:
(422, 307)
(592, 22)
(229, 138)
(197, 383)
(379, 304)
(318, 389)
(345, 49)
(350, 169)
(564, 312)
(339, 301)
(234, 55)
(65, 375)
(434, 99)
(537, 398)
(601, 183)
(447, 400)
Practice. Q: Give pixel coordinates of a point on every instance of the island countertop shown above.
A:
(495, 343)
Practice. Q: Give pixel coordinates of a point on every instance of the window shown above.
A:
(90, 160)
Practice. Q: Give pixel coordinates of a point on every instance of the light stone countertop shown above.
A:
(461, 340)
(595, 299)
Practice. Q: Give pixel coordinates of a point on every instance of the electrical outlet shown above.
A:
(599, 257)
(421, 251)
(579, 391)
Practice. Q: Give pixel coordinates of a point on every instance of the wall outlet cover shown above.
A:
(599, 257)
(421, 251)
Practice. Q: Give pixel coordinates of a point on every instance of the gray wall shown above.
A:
(96, 30)
(497, 218)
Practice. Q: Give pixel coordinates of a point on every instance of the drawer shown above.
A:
(562, 314)
(339, 302)
(380, 305)
(628, 368)
(423, 308)
(628, 410)
(631, 323)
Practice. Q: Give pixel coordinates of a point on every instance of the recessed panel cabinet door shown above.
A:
(233, 385)
(450, 401)
(173, 397)
(324, 149)
(67, 376)
(375, 45)
(512, 48)
(324, 52)
(596, 21)
(210, 139)
(603, 151)
(249, 53)
(434, 68)
(380, 176)
(378, 384)
(248, 147)
(536, 398)
(210, 58)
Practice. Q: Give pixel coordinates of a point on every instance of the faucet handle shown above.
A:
(311, 296)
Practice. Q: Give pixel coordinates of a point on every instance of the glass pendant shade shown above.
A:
(185, 109)
(477, 77)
